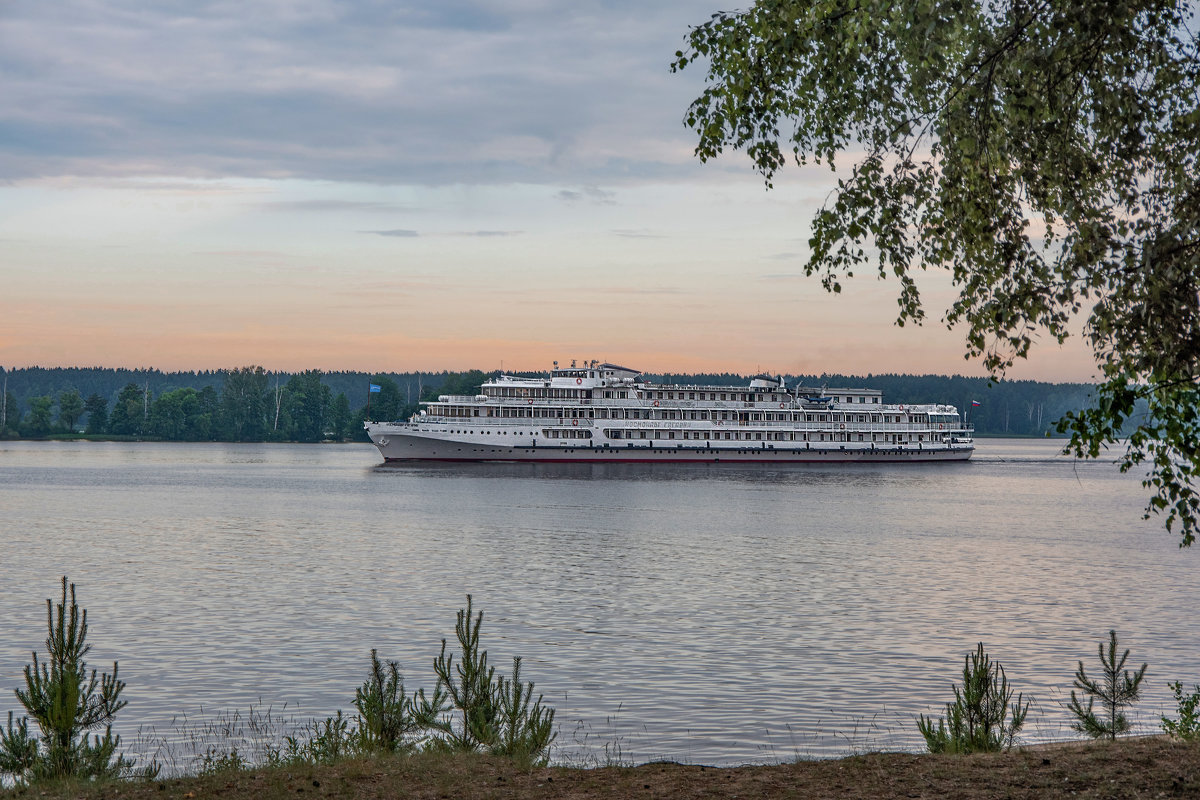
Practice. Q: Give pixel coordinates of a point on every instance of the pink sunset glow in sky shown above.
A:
(393, 187)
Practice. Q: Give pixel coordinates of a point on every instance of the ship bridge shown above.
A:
(589, 375)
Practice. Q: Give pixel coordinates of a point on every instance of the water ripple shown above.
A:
(707, 613)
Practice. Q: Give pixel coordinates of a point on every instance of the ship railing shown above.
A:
(621, 402)
(510, 421)
(720, 405)
(803, 427)
(677, 405)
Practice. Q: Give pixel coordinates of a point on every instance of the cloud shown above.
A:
(406, 233)
(242, 253)
(459, 91)
(637, 233)
(629, 290)
(402, 233)
(593, 193)
(332, 205)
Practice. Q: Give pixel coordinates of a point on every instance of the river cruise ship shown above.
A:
(608, 413)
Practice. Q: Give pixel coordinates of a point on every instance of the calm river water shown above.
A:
(703, 613)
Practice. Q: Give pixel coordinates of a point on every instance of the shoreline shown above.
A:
(1151, 766)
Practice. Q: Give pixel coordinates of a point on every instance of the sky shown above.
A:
(391, 185)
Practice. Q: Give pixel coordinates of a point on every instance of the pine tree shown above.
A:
(66, 702)
(496, 715)
(1117, 688)
(978, 721)
(387, 717)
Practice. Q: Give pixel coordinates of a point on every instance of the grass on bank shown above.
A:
(1137, 767)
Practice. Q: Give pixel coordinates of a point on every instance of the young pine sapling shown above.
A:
(495, 714)
(983, 718)
(1116, 689)
(66, 702)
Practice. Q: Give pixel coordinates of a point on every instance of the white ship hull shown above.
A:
(398, 443)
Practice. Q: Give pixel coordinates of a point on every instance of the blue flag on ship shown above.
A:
(375, 387)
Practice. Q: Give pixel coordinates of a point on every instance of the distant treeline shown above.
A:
(247, 404)
(250, 404)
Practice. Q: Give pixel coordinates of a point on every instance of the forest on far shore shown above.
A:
(250, 404)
